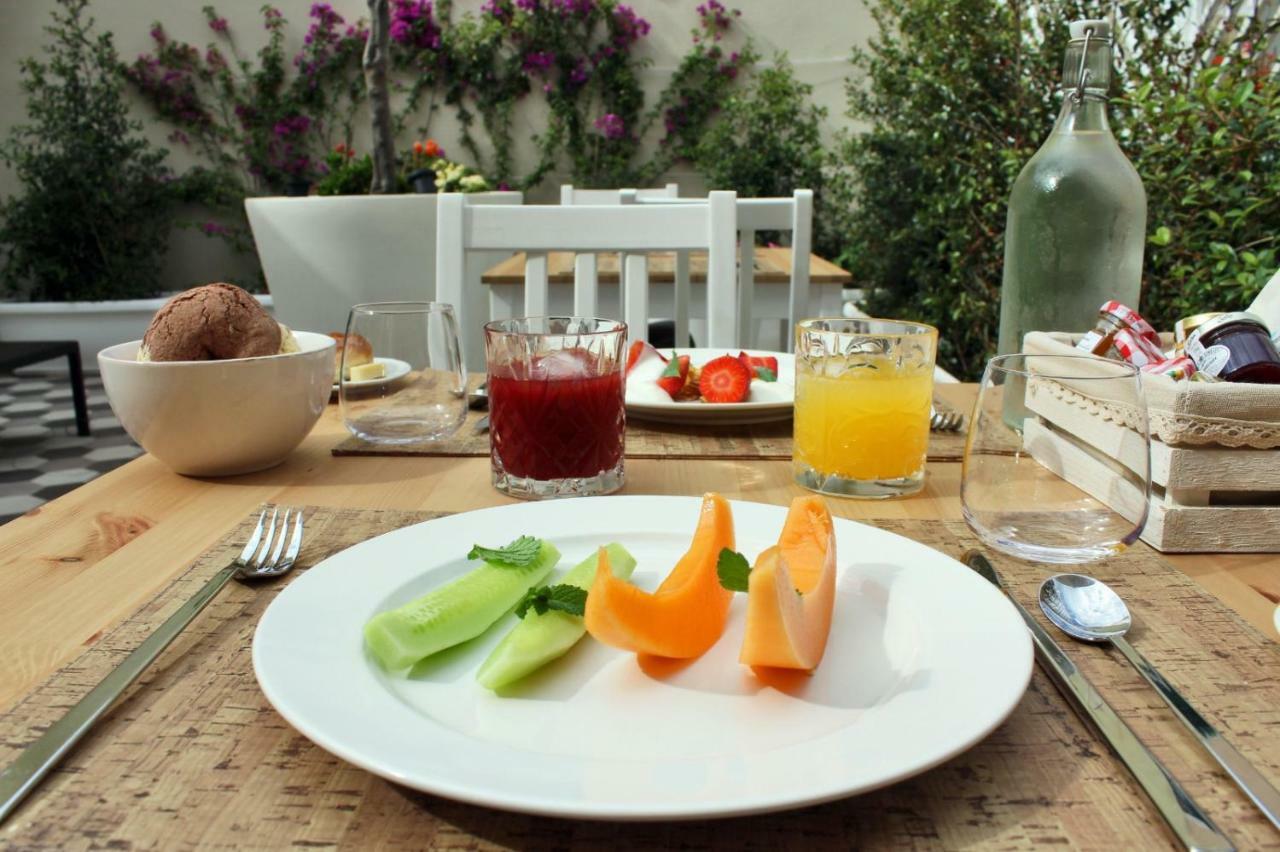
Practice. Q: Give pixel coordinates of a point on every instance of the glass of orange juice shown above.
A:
(864, 389)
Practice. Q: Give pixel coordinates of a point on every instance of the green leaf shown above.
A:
(562, 598)
(518, 554)
(1162, 237)
(733, 570)
(673, 366)
(764, 374)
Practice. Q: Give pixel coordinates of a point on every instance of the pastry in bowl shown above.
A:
(217, 387)
(214, 322)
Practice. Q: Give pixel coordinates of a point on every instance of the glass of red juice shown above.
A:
(556, 415)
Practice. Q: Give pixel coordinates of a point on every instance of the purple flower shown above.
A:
(628, 26)
(214, 58)
(581, 8)
(611, 125)
(527, 5)
(538, 61)
(218, 25)
(295, 125)
(157, 34)
(499, 9)
(579, 74)
(177, 137)
(412, 24)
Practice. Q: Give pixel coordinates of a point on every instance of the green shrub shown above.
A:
(767, 141)
(960, 94)
(92, 221)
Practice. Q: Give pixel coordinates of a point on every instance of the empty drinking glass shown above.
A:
(400, 373)
(1040, 492)
(556, 415)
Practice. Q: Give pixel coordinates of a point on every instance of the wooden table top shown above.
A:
(84, 562)
(772, 266)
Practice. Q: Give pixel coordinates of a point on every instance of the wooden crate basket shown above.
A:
(1204, 498)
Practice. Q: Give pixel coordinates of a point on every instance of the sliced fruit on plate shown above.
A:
(639, 351)
(675, 376)
(462, 609)
(724, 379)
(541, 637)
(791, 592)
(763, 367)
(687, 613)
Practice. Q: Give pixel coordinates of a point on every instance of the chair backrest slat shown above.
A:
(630, 228)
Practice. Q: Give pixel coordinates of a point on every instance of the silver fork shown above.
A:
(265, 555)
(944, 421)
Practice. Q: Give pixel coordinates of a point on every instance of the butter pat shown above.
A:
(365, 372)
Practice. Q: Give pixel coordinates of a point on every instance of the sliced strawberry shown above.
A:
(673, 378)
(689, 392)
(763, 367)
(640, 349)
(724, 379)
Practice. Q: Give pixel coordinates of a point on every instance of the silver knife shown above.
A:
(1187, 820)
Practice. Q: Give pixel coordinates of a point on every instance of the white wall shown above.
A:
(817, 35)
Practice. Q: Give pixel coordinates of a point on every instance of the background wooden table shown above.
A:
(772, 266)
(82, 563)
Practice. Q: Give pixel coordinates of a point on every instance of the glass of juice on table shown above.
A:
(864, 388)
(556, 416)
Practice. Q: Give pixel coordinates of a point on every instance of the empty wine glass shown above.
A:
(400, 373)
(1057, 463)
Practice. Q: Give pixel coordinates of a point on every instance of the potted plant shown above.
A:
(83, 240)
(421, 164)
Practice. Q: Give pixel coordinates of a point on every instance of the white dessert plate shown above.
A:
(924, 660)
(396, 369)
(646, 401)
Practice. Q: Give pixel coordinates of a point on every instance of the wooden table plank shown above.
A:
(82, 563)
(772, 266)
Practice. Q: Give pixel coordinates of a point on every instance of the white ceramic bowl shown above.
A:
(220, 418)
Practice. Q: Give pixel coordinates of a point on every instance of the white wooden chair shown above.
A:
(633, 229)
(584, 265)
(794, 214)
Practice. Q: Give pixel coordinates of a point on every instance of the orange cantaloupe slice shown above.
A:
(687, 613)
(791, 593)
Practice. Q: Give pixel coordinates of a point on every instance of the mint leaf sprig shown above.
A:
(562, 598)
(733, 570)
(520, 553)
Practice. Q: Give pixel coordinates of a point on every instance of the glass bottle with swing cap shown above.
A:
(1077, 214)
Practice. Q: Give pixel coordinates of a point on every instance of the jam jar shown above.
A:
(1235, 347)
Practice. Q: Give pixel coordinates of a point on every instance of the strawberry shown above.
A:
(724, 379)
(638, 349)
(673, 378)
(762, 367)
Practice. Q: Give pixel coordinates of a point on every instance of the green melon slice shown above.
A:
(453, 613)
(539, 639)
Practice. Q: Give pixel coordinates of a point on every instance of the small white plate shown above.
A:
(658, 407)
(924, 660)
(396, 369)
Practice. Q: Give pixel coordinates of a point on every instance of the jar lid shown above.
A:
(1101, 29)
(1182, 328)
(1223, 320)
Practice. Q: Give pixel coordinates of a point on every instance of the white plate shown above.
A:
(925, 659)
(664, 410)
(395, 369)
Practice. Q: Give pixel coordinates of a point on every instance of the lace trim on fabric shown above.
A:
(1174, 428)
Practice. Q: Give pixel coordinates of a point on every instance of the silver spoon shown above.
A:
(1089, 610)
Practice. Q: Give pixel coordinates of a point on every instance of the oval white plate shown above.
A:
(664, 410)
(395, 369)
(924, 660)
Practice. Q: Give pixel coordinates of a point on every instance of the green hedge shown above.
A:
(960, 93)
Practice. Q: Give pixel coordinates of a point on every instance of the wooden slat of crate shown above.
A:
(1181, 468)
(1171, 527)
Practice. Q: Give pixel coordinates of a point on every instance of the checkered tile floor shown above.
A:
(41, 456)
